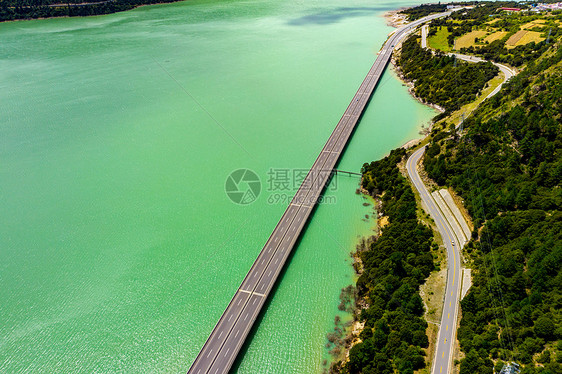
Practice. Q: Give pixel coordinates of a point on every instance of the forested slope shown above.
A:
(507, 166)
(29, 9)
(441, 79)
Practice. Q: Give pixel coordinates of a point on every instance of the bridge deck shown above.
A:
(226, 339)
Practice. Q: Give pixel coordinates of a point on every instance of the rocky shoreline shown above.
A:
(346, 335)
(396, 19)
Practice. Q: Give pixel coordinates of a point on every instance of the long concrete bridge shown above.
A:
(228, 336)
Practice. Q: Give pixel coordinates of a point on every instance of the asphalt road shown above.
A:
(447, 329)
(442, 362)
(221, 348)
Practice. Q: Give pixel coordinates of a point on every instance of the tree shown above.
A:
(544, 328)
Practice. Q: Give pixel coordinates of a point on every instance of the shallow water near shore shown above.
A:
(119, 248)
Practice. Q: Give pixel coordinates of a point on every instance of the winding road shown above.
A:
(447, 328)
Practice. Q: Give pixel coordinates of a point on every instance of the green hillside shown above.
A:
(507, 166)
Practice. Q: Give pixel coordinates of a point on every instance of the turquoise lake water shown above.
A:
(119, 248)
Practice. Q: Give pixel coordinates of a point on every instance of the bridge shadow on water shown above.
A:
(330, 16)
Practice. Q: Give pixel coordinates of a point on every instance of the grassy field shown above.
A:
(535, 23)
(514, 39)
(439, 40)
(495, 36)
(530, 36)
(468, 40)
(523, 37)
(493, 21)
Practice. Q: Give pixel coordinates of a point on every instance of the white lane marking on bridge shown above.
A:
(302, 205)
(221, 334)
(208, 354)
(253, 293)
(229, 318)
(237, 332)
(228, 350)
(254, 301)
